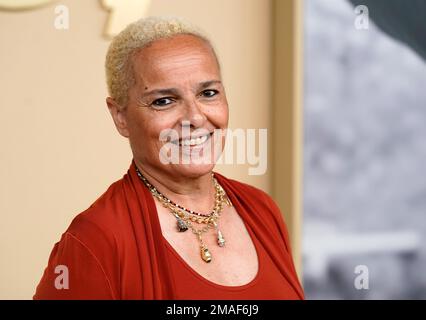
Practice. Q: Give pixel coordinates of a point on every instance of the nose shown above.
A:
(194, 115)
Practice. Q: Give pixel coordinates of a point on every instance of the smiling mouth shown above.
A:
(192, 142)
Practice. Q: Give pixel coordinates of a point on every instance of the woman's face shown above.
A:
(177, 87)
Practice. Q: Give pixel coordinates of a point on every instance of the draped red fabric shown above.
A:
(263, 216)
(115, 249)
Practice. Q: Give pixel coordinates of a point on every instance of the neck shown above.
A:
(193, 193)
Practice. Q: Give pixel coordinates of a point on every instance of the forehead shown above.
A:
(182, 57)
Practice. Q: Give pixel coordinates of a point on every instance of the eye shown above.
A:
(162, 102)
(209, 93)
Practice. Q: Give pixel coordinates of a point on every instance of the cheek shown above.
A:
(220, 115)
(141, 132)
(148, 130)
(143, 124)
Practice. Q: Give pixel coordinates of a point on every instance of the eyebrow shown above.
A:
(174, 91)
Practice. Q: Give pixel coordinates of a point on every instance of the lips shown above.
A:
(193, 141)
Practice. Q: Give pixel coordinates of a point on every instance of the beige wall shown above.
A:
(59, 148)
(286, 124)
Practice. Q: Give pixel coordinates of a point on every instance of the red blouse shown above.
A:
(267, 284)
(115, 250)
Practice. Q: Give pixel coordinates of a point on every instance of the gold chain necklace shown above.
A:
(186, 217)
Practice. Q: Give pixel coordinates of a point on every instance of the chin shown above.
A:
(193, 170)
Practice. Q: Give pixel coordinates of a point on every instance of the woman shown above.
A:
(171, 229)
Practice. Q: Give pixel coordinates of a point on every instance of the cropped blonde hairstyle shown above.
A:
(119, 58)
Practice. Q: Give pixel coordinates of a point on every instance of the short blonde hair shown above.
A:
(119, 62)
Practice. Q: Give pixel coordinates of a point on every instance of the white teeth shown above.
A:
(203, 139)
(194, 142)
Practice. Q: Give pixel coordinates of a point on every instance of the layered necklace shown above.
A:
(186, 218)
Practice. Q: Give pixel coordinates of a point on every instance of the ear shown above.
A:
(118, 115)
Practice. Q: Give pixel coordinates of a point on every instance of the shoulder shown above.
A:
(99, 226)
(90, 249)
(251, 193)
(258, 202)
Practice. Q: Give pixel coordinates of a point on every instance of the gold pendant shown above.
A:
(220, 239)
(181, 225)
(205, 254)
